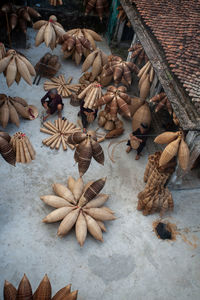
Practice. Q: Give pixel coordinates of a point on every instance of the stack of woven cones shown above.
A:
(156, 196)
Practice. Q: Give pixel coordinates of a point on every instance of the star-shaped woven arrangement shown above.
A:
(64, 88)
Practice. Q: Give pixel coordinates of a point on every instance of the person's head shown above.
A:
(53, 93)
(143, 127)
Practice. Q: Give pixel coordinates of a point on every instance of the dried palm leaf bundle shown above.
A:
(14, 66)
(161, 101)
(156, 197)
(64, 88)
(87, 147)
(81, 206)
(6, 149)
(2, 51)
(183, 155)
(100, 7)
(23, 148)
(95, 60)
(55, 2)
(12, 108)
(142, 115)
(48, 65)
(79, 42)
(43, 291)
(59, 133)
(176, 146)
(117, 99)
(48, 31)
(146, 75)
(91, 95)
(119, 70)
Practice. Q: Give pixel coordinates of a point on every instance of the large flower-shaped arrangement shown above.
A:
(43, 291)
(80, 205)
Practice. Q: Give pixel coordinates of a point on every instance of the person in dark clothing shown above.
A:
(53, 104)
(141, 137)
(87, 115)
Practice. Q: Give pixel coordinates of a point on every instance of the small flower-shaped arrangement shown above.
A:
(80, 205)
(87, 147)
(118, 100)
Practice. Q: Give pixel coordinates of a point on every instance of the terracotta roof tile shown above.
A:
(176, 26)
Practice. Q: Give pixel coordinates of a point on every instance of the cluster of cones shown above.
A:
(117, 99)
(175, 146)
(79, 42)
(48, 31)
(96, 60)
(12, 108)
(18, 17)
(87, 147)
(15, 65)
(97, 6)
(138, 53)
(118, 70)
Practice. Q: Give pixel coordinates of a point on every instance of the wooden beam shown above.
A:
(181, 103)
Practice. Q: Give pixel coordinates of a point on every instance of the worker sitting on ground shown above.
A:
(53, 104)
(138, 140)
(87, 115)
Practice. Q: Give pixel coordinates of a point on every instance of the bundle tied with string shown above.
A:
(23, 148)
(91, 94)
(156, 197)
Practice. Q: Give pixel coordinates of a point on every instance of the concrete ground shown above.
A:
(132, 263)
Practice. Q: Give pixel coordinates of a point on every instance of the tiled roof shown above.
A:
(176, 26)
